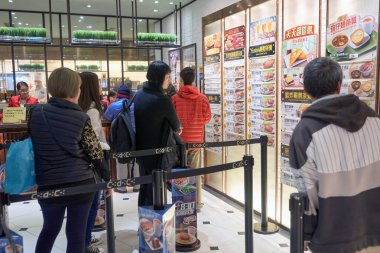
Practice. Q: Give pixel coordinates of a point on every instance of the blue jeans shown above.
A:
(92, 217)
(53, 215)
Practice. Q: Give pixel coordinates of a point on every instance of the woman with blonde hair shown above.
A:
(64, 145)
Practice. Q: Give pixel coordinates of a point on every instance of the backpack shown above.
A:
(122, 132)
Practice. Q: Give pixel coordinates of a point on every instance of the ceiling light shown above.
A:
(80, 20)
(88, 6)
(89, 26)
(75, 26)
(63, 26)
(81, 17)
(140, 20)
(171, 3)
(13, 13)
(15, 17)
(141, 1)
(11, 1)
(156, 2)
(26, 24)
(19, 23)
(155, 10)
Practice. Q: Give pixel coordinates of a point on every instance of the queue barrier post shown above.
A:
(248, 207)
(297, 207)
(159, 189)
(264, 227)
(109, 219)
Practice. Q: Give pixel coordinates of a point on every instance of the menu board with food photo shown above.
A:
(263, 31)
(299, 48)
(213, 90)
(353, 37)
(234, 96)
(213, 44)
(234, 38)
(262, 82)
(175, 66)
(156, 229)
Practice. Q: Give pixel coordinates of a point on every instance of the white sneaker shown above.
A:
(94, 249)
(95, 241)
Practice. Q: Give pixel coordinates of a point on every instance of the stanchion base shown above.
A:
(270, 229)
(188, 248)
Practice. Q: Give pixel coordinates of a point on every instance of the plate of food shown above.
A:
(267, 76)
(296, 58)
(268, 64)
(147, 228)
(154, 243)
(181, 182)
(361, 88)
(358, 38)
(185, 238)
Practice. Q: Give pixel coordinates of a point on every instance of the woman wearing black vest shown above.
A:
(153, 110)
(64, 145)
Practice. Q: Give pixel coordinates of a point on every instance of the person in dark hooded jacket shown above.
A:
(154, 112)
(335, 156)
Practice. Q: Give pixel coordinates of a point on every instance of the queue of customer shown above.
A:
(70, 145)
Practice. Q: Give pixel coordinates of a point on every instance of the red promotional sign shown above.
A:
(299, 31)
(234, 38)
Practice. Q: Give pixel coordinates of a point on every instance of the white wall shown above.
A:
(192, 23)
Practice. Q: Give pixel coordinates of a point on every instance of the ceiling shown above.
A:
(145, 8)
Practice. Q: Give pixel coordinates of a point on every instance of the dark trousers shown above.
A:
(146, 190)
(76, 223)
(91, 217)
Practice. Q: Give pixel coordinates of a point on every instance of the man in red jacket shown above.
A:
(193, 110)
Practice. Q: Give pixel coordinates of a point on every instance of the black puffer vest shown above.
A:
(59, 157)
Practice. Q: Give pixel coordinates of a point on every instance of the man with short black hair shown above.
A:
(335, 157)
(193, 110)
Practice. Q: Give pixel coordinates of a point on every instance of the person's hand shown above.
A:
(306, 246)
(180, 131)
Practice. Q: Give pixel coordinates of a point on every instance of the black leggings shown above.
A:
(75, 226)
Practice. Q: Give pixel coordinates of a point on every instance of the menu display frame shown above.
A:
(290, 100)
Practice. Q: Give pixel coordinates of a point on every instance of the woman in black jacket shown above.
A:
(64, 146)
(153, 113)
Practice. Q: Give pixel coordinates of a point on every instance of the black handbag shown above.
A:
(176, 158)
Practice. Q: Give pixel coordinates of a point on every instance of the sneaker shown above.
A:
(93, 249)
(95, 241)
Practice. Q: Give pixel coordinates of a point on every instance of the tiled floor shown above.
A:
(220, 227)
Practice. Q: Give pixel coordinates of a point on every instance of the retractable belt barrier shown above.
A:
(247, 162)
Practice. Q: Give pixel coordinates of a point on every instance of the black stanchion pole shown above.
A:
(159, 189)
(109, 217)
(248, 196)
(297, 206)
(183, 156)
(110, 225)
(264, 227)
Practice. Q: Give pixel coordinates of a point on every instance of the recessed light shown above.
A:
(88, 6)
(63, 26)
(89, 26)
(140, 20)
(19, 23)
(171, 3)
(26, 24)
(155, 10)
(80, 20)
(81, 17)
(13, 13)
(156, 2)
(15, 17)
(141, 1)
(11, 1)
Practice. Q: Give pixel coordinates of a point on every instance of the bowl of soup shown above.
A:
(340, 42)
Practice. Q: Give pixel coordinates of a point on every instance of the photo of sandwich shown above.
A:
(289, 81)
(295, 58)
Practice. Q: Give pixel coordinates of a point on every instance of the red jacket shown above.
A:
(193, 110)
(15, 101)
